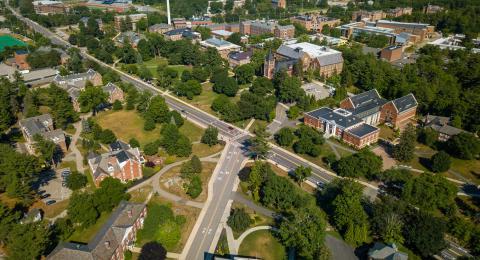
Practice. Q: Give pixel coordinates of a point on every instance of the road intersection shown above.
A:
(231, 162)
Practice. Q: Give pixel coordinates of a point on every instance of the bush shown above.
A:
(239, 220)
(134, 143)
(117, 105)
(194, 188)
(284, 137)
(440, 162)
(149, 124)
(464, 146)
(150, 148)
(107, 136)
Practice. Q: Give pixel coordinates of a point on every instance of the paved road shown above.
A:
(222, 188)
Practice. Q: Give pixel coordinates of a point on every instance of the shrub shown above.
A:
(117, 105)
(239, 220)
(440, 162)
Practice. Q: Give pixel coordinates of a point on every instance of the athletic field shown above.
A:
(7, 40)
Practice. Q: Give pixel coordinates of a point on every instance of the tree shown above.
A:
(440, 162)
(158, 110)
(424, 233)
(46, 148)
(110, 193)
(285, 137)
(82, 210)
(107, 136)
(189, 89)
(76, 181)
(210, 136)
(302, 173)
(464, 146)
(117, 105)
(289, 90)
(362, 164)
(239, 220)
(7, 116)
(151, 148)
(153, 251)
(429, 191)
(262, 86)
(227, 86)
(176, 118)
(257, 175)
(258, 144)
(134, 142)
(29, 241)
(244, 73)
(428, 136)
(194, 187)
(91, 98)
(404, 150)
(349, 216)
(305, 231)
(63, 228)
(235, 38)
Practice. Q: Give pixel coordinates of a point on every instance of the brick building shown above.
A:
(41, 125)
(343, 125)
(134, 18)
(259, 27)
(239, 58)
(115, 237)
(392, 53)
(422, 30)
(20, 58)
(326, 60)
(223, 47)
(160, 28)
(315, 22)
(122, 162)
(279, 4)
(49, 7)
(399, 11)
(356, 120)
(183, 33)
(370, 15)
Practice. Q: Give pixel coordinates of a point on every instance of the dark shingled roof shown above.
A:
(367, 103)
(338, 116)
(240, 55)
(405, 103)
(363, 130)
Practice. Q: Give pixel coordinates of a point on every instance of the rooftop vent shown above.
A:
(107, 244)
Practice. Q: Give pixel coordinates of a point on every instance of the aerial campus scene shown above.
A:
(239, 129)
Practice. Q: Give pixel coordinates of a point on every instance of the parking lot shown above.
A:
(52, 184)
(318, 90)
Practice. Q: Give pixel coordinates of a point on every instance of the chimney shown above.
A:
(107, 244)
(129, 212)
(168, 13)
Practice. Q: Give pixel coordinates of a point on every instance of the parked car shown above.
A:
(40, 192)
(64, 184)
(44, 196)
(65, 173)
(50, 202)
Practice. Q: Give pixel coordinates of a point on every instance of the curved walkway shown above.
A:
(234, 244)
(155, 182)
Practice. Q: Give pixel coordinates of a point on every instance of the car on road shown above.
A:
(230, 128)
(44, 196)
(50, 202)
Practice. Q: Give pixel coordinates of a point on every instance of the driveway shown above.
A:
(281, 119)
(388, 161)
(339, 249)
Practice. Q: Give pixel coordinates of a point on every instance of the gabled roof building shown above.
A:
(122, 162)
(356, 120)
(41, 125)
(116, 236)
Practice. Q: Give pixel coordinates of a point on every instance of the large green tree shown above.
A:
(91, 98)
(429, 191)
(404, 150)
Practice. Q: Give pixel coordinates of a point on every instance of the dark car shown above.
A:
(44, 196)
(230, 128)
(65, 173)
(50, 202)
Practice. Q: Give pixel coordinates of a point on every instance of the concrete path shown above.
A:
(234, 245)
(250, 124)
(339, 249)
(334, 149)
(340, 146)
(61, 215)
(74, 149)
(281, 119)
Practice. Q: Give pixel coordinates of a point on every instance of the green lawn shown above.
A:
(161, 225)
(85, 235)
(153, 64)
(262, 244)
(202, 150)
(127, 124)
(205, 99)
(68, 164)
(9, 41)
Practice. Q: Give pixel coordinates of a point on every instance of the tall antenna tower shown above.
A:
(168, 13)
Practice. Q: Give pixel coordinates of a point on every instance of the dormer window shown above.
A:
(110, 167)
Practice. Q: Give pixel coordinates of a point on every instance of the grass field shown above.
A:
(153, 64)
(53, 210)
(127, 124)
(85, 235)
(202, 150)
(263, 245)
(205, 99)
(140, 195)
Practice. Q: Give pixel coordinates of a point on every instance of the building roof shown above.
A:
(76, 76)
(324, 55)
(119, 145)
(107, 240)
(47, 2)
(21, 52)
(240, 55)
(159, 26)
(404, 24)
(219, 44)
(366, 103)
(386, 252)
(39, 74)
(110, 87)
(110, 162)
(223, 33)
(405, 103)
(340, 117)
(37, 124)
(362, 130)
